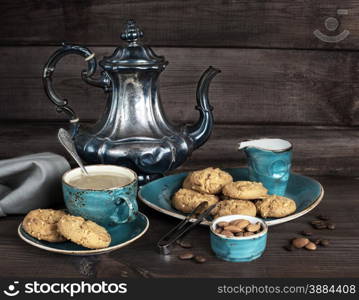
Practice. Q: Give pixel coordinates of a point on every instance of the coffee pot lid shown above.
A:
(134, 55)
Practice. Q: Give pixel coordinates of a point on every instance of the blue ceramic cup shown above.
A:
(238, 249)
(269, 162)
(107, 207)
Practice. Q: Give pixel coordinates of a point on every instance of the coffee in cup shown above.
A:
(107, 195)
(101, 181)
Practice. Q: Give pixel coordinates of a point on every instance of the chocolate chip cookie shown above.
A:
(209, 181)
(42, 224)
(84, 233)
(186, 200)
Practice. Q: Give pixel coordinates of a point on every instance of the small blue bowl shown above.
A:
(239, 249)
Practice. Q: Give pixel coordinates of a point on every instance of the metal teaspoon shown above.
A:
(66, 141)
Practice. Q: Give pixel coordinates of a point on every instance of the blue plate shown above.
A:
(305, 191)
(121, 236)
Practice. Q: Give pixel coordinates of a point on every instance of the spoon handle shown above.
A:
(66, 141)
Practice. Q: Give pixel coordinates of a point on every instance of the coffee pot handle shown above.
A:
(49, 68)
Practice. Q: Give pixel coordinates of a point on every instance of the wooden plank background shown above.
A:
(277, 78)
(255, 86)
(189, 23)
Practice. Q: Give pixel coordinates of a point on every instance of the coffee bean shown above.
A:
(222, 224)
(253, 227)
(323, 217)
(300, 242)
(324, 243)
(316, 241)
(185, 244)
(306, 233)
(227, 233)
(316, 222)
(311, 246)
(200, 259)
(331, 226)
(320, 226)
(186, 256)
(289, 247)
(239, 234)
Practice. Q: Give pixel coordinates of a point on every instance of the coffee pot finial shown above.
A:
(131, 32)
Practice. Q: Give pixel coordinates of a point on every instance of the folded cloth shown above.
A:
(30, 182)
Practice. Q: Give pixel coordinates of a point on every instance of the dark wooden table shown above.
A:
(141, 259)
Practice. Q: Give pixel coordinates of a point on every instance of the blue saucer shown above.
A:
(305, 191)
(121, 236)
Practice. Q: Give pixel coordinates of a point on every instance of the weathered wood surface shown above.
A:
(194, 23)
(255, 86)
(141, 259)
(317, 150)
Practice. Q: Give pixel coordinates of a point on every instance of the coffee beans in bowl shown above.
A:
(238, 238)
(232, 228)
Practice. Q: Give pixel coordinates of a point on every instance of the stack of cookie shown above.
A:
(240, 197)
(56, 226)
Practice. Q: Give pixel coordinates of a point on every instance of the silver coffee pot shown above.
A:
(133, 131)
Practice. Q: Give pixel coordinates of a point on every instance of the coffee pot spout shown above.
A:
(201, 130)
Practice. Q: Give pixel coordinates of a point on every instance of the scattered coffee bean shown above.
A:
(222, 224)
(316, 241)
(253, 227)
(185, 244)
(323, 217)
(289, 247)
(320, 226)
(324, 243)
(186, 256)
(227, 233)
(300, 242)
(314, 222)
(233, 228)
(331, 226)
(200, 259)
(248, 233)
(306, 233)
(311, 246)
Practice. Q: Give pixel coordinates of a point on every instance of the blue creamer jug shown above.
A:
(269, 162)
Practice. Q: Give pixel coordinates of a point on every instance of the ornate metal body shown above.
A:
(133, 131)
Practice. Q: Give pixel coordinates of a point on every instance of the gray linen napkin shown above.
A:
(30, 182)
